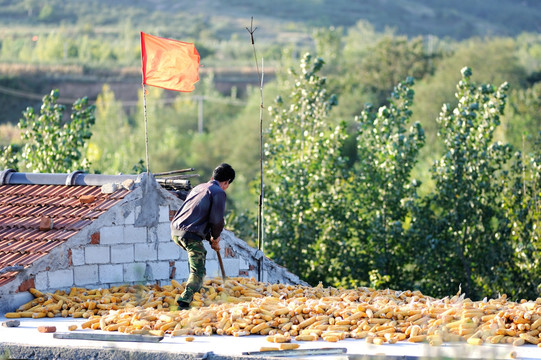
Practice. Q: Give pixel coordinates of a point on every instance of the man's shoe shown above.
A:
(183, 305)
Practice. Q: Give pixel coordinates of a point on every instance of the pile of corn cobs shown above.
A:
(244, 306)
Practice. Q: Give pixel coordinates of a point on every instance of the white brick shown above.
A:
(97, 254)
(164, 214)
(160, 270)
(211, 254)
(111, 273)
(169, 251)
(85, 275)
(182, 270)
(134, 234)
(112, 235)
(60, 279)
(152, 234)
(12, 301)
(145, 252)
(164, 232)
(134, 272)
(213, 269)
(129, 218)
(122, 254)
(78, 256)
(41, 281)
(243, 264)
(183, 253)
(231, 267)
(137, 212)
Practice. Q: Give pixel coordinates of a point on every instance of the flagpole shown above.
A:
(146, 129)
(159, 69)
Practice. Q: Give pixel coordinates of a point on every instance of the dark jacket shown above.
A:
(202, 213)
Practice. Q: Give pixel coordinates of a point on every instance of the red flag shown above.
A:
(169, 64)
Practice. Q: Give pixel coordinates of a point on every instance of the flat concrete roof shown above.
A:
(25, 342)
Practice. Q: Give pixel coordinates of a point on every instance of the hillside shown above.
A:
(458, 19)
(99, 38)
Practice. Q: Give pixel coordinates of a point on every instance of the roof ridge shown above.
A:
(12, 177)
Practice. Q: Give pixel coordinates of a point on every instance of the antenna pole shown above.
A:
(260, 228)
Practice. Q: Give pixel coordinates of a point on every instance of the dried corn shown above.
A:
(243, 306)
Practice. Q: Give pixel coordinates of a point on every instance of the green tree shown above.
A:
(162, 130)
(371, 71)
(522, 209)
(29, 6)
(328, 43)
(51, 145)
(460, 230)
(360, 38)
(95, 50)
(238, 140)
(493, 58)
(303, 164)
(388, 149)
(391, 60)
(529, 52)
(110, 149)
(522, 119)
(46, 13)
(50, 48)
(8, 159)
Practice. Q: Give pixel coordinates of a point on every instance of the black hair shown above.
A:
(224, 172)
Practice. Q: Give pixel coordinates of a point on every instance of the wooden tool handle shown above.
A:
(221, 265)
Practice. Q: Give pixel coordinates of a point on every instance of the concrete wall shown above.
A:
(131, 243)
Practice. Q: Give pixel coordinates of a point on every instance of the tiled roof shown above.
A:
(24, 207)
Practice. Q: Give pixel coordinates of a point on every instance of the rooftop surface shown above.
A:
(34, 219)
(25, 342)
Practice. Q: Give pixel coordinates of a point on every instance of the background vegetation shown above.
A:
(391, 159)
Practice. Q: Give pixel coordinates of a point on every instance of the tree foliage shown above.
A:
(522, 120)
(50, 145)
(303, 171)
(111, 147)
(478, 230)
(388, 148)
(522, 210)
(325, 221)
(464, 233)
(391, 60)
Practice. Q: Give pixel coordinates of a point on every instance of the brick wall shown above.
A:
(121, 252)
(131, 244)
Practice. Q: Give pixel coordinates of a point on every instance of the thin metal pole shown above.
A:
(260, 229)
(146, 129)
(262, 197)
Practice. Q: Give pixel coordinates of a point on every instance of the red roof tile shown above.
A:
(5, 280)
(19, 246)
(10, 273)
(105, 205)
(21, 210)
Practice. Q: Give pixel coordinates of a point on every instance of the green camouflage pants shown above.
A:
(196, 259)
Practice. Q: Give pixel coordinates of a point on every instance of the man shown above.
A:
(201, 217)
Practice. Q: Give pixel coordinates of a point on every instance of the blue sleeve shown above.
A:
(217, 212)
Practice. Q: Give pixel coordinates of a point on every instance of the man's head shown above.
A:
(224, 174)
